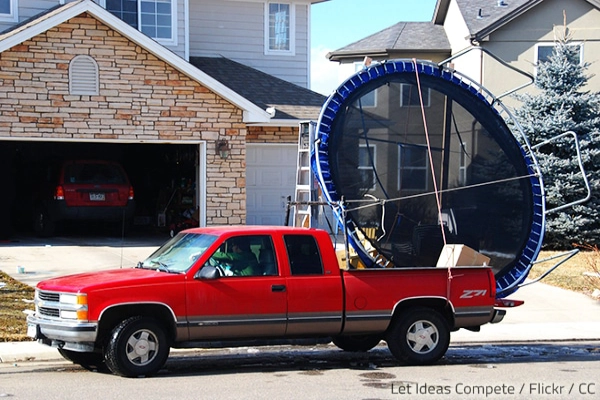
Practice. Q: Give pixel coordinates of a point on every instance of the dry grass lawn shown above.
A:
(13, 327)
(569, 276)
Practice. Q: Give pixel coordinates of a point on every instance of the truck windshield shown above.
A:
(178, 254)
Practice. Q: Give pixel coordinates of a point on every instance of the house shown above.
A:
(200, 101)
(519, 32)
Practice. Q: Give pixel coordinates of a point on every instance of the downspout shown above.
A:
(476, 43)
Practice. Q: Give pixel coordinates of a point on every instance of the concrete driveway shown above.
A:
(31, 259)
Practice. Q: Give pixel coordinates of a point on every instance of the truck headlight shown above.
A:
(73, 306)
(78, 299)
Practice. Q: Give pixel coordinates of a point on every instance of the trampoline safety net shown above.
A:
(421, 158)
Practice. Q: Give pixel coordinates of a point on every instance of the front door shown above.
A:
(245, 302)
(236, 307)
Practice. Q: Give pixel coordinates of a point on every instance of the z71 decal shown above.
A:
(469, 294)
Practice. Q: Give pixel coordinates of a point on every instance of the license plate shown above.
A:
(97, 197)
(32, 330)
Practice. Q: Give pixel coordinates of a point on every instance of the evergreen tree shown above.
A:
(564, 106)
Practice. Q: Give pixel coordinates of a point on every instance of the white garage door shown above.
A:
(270, 179)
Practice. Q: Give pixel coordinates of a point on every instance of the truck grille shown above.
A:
(48, 296)
(49, 312)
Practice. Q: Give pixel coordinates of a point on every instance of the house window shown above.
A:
(369, 99)
(544, 51)
(8, 10)
(83, 76)
(154, 18)
(462, 167)
(366, 162)
(279, 28)
(412, 164)
(409, 96)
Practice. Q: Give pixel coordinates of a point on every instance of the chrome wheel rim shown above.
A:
(422, 337)
(142, 347)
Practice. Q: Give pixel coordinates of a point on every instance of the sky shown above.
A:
(338, 23)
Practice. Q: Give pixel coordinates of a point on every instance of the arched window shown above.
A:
(83, 76)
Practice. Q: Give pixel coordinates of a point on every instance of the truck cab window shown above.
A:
(303, 254)
(246, 256)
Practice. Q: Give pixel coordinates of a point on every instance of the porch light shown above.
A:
(223, 149)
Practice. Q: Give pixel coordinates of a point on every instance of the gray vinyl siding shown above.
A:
(31, 8)
(235, 29)
(179, 49)
(517, 40)
(28, 9)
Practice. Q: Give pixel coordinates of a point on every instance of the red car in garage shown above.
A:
(84, 190)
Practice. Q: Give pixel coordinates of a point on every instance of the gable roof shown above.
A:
(483, 17)
(291, 102)
(403, 36)
(55, 16)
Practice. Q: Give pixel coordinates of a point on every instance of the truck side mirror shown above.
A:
(207, 272)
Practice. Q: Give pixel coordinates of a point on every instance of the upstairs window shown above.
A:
(369, 99)
(83, 76)
(409, 96)
(8, 10)
(544, 51)
(413, 163)
(279, 28)
(462, 168)
(154, 18)
(366, 161)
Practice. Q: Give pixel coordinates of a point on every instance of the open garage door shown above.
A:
(164, 177)
(270, 179)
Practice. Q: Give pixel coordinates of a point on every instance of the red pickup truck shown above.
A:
(228, 285)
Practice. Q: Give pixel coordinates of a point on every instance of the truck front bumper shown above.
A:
(57, 333)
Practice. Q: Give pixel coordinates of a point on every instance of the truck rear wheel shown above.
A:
(89, 361)
(420, 336)
(356, 342)
(136, 347)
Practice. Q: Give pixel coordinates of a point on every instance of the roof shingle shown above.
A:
(409, 36)
(289, 100)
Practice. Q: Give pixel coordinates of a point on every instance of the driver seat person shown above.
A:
(242, 259)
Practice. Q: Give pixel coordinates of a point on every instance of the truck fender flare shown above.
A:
(440, 303)
(138, 305)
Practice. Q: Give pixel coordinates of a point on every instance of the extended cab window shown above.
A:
(303, 254)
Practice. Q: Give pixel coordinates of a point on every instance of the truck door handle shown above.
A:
(278, 288)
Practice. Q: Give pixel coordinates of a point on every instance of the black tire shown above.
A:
(137, 347)
(420, 336)
(43, 225)
(359, 343)
(89, 361)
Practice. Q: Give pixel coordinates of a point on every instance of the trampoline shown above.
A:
(412, 156)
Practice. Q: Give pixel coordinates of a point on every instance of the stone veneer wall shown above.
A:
(141, 98)
(272, 134)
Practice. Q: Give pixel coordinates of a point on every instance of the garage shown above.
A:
(270, 179)
(180, 132)
(164, 177)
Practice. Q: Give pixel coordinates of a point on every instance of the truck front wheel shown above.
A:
(420, 336)
(356, 342)
(136, 347)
